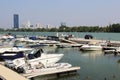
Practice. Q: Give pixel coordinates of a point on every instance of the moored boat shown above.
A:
(34, 58)
(90, 47)
(12, 53)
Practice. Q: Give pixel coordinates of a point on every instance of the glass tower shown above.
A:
(16, 21)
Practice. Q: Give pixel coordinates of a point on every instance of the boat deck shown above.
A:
(52, 71)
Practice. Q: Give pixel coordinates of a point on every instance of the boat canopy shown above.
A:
(32, 38)
(88, 36)
(36, 54)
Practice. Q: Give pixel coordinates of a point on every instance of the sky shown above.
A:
(53, 12)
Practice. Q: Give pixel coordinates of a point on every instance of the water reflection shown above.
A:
(50, 49)
(94, 65)
(61, 77)
(93, 54)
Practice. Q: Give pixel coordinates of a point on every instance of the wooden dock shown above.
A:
(48, 72)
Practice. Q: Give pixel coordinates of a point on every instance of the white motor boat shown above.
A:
(36, 57)
(35, 43)
(91, 47)
(40, 68)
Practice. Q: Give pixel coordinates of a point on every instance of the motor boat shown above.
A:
(12, 53)
(112, 50)
(91, 47)
(39, 67)
(38, 56)
(35, 43)
(35, 57)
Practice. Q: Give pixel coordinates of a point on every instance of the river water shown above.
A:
(94, 64)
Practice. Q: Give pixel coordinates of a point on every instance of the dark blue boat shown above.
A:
(11, 56)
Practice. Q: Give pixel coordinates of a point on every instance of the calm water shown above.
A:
(94, 65)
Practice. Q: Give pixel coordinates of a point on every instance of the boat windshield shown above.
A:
(35, 54)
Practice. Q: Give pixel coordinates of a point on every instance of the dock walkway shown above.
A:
(48, 72)
(8, 74)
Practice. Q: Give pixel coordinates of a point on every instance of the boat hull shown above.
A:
(90, 48)
(11, 56)
(45, 59)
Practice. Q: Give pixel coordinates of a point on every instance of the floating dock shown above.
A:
(53, 71)
(8, 74)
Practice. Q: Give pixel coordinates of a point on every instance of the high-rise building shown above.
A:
(28, 24)
(16, 21)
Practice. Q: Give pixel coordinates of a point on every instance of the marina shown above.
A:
(60, 40)
(87, 64)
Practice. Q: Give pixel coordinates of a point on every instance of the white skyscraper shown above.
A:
(28, 24)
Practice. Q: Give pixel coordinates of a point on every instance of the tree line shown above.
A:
(64, 28)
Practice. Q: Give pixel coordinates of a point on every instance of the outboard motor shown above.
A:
(20, 70)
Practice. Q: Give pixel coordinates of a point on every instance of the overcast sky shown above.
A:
(53, 12)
